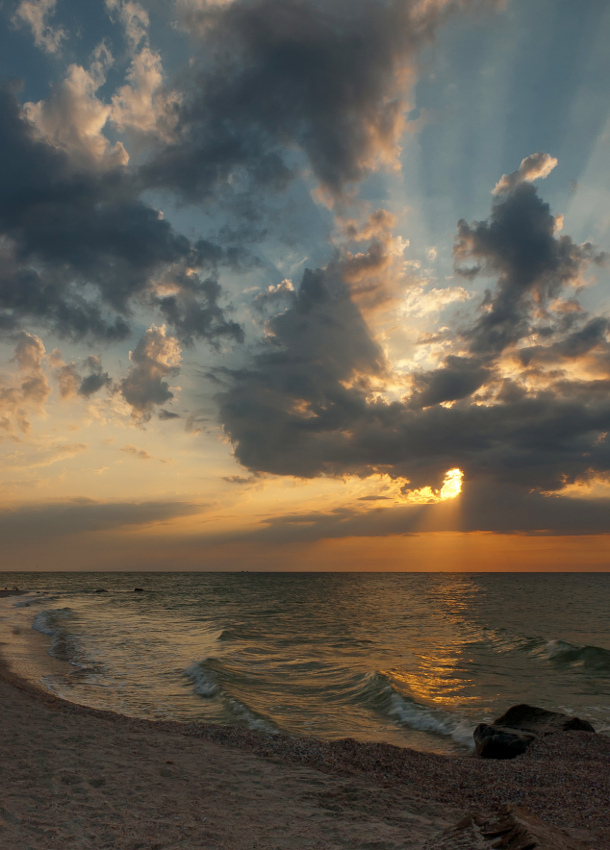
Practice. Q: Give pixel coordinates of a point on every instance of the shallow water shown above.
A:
(412, 659)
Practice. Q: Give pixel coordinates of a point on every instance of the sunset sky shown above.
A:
(305, 284)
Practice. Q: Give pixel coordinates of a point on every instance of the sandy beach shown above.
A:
(78, 777)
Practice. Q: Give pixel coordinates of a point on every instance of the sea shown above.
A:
(412, 659)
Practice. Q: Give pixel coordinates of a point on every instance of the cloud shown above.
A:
(459, 377)
(35, 14)
(377, 276)
(421, 300)
(520, 399)
(77, 246)
(36, 523)
(141, 454)
(191, 306)
(42, 453)
(284, 414)
(72, 382)
(533, 265)
(156, 357)
(142, 105)
(27, 393)
(72, 118)
(96, 379)
(168, 414)
(533, 167)
(483, 508)
(275, 76)
(133, 17)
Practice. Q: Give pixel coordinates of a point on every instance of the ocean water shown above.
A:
(411, 659)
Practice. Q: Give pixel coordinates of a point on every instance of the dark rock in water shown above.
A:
(138, 590)
(100, 590)
(511, 828)
(511, 734)
(541, 721)
(494, 742)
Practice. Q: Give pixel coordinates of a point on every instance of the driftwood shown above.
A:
(511, 828)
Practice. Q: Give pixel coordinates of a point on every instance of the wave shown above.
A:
(563, 652)
(560, 652)
(423, 719)
(205, 681)
(47, 622)
(210, 679)
(64, 645)
(379, 694)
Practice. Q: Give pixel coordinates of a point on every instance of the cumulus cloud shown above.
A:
(73, 117)
(25, 395)
(72, 382)
(533, 167)
(331, 80)
(533, 265)
(520, 399)
(35, 14)
(77, 246)
(133, 17)
(142, 105)
(156, 356)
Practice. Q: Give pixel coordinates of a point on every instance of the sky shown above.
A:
(305, 285)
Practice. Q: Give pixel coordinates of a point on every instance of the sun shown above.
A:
(452, 484)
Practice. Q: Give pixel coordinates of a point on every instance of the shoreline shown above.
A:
(73, 775)
(407, 795)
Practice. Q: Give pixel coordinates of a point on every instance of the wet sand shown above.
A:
(77, 777)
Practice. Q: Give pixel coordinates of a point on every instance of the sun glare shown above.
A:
(452, 484)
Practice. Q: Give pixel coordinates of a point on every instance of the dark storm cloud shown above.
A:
(40, 522)
(284, 414)
(329, 79)
(307, 406)
(519, 245)
(79, 245)
(458, 378)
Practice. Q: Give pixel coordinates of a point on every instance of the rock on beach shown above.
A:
(510, 735)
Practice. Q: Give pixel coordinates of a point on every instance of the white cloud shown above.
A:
(141, 104)
(533, 167)
(35, 14)
(134, 18)
(419, 302)
(73, 117)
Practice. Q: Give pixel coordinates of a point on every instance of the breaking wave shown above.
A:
(416, 716)
(379, 694)
(210, 679)
(594, 658)
(205, 681)
(64, 645)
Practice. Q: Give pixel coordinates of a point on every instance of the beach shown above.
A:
(77, 777)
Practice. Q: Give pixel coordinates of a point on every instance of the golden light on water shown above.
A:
(452, 484)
